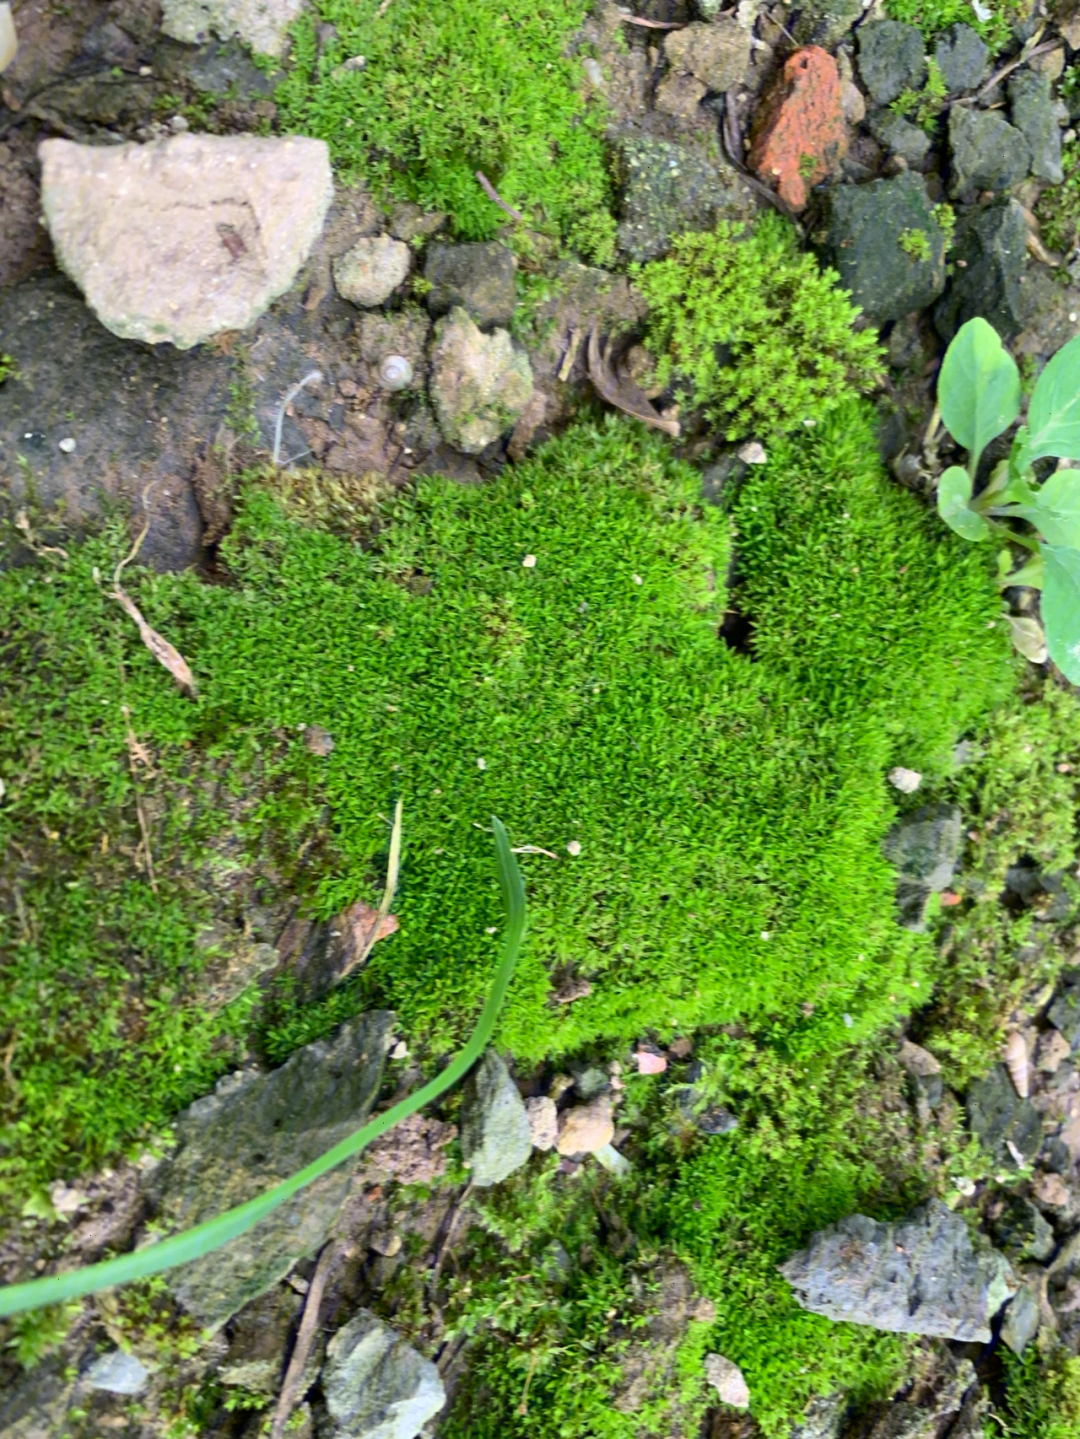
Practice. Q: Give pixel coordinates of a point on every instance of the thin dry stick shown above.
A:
(653, 24)
(290, 1389)
(496, 199)
(447, 1237)
(136, 751)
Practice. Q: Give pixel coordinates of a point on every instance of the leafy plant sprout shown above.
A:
(979, 396)
(211, 1235)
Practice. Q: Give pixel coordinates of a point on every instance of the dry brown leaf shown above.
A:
(362, 928)
(165, 653)
(1015, 1056)
(621, 391)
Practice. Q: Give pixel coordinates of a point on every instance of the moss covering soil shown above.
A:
(729, 807)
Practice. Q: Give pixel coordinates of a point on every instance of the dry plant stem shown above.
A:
(290, 1389)
(496, 199)
(999, 75)
(653, 24)
(448, 1237)
(313, 378)
(137, 754)
(571, 355)
(392, 868)
(623, 394)
(165, 653)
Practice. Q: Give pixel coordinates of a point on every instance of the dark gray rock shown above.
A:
(668, 188)
(1031, 107)
(34, 1405)
(376, 1385)
(495, 1136)
(254, 1131)
(218, 68)
(1022, 1233)
(868, 229)
(892, 58)
(900, 137)
(481, 278)
(918, 1276)
(963, 59)
(823, 1418)
(1021, 1322)
(925, 848)
(987, 152)
(998, 1117)
(591, 1082)
(927, 1407)
(989, 253)
(117, 1373)
(1064, 1013)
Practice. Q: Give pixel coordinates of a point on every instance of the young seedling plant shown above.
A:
(979, 397)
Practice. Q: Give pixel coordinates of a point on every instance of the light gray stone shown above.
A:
(480, 277)
(718, 55)
(479, 383)
(918, 1276)
(262, 24)
(254, 1131)
(1031, 107)
(371, 271)
(496, 1138)
(963, 59)
(987, 152)
(118, 1373)
(1021, 1322)
(181, 239)
(377, 1386)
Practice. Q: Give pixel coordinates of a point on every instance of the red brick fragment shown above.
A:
(799, 137)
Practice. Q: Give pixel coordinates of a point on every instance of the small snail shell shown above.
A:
(395, 373)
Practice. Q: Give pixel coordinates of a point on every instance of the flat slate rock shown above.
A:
(376, 1385)
(262, 24)
(254, 1131)
(918, 1276)
(887, 245)
(496, 1138)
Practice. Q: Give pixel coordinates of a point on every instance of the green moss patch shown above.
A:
(446, 90)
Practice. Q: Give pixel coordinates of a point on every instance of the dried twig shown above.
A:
(137, 755)
(999, 75)
(622, 392)
(165, 653)
(567, 365)
(290, 1388)
(392, 867)
(496, 199)
(447, 1237)
(533, 849)
(652, 24)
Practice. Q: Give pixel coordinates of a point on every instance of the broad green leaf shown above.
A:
(203, 1238)
(1032, 574)
(1054, 412)
(1020, 454)
(978, 388)
(1054, 510)
(954, 492)
(1061, 609)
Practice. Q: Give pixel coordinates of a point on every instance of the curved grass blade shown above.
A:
(194, 1243)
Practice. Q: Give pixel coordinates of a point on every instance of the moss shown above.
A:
(933, 17)
(924, 106)
(1058, 210)
(1042, 1399)
(468, 85)
(9, 369)
(753, 332)
(915, 243)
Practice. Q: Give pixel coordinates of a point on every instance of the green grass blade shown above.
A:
(194, 1243)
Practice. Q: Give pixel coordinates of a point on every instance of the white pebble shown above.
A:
(907, 781)
(529, 562)
(481, 763)
(753, 453)
(638, 580)
(395, 373)
(400, 1050)
(1072, 317)
(574, 847)
(68, 446)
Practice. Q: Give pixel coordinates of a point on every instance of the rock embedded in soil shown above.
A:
(900, 137)
(925, 848)
(480, 278)
(826, 22)
(963, 59)
(479, 383)
(1064, 1012)
(1033, 113)
(987, 152)
(586, 1127)
(496, 1138)
(262, 24)
(377, 1386)
(254, 1131)
(371, 271)
(717, 55)
(999, 1118)
(1022, 1233)
(989, 252)
(1021, 1322)
(920, 1275)
(668, 189)
(182, 239)
(117, 1373)
(799, 135)
(543, 1119)
(892, 59)
(886, 244)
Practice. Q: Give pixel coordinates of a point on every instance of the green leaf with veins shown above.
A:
(1054, 412)
(1061, 609)
(978, 388)
(953, 496)
(1054, 510)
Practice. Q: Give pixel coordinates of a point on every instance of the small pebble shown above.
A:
(907, 781)
(649, 1063)
(400, 1050)
(481, 763)
(574, 847)
(529, 562)
(68, 446)
(753, 453)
